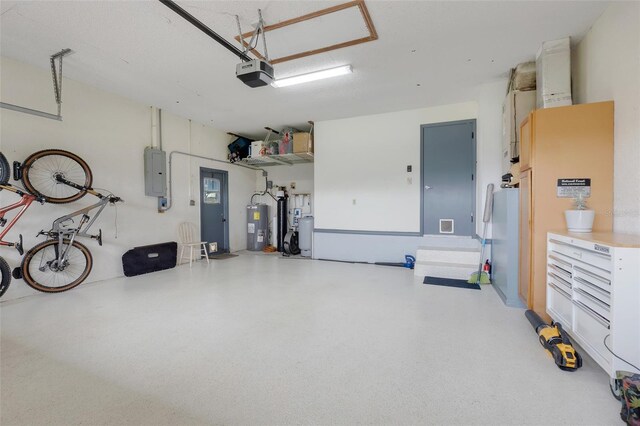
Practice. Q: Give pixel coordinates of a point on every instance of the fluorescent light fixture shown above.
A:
(313, 76)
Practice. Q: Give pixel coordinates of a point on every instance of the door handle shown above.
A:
(223, 219)
(427, 187)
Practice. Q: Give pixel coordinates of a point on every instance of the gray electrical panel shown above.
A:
(155, 172)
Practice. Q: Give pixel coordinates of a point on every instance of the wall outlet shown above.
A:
(162, 204)
(269, 184)
(192, 202)
(409, 168)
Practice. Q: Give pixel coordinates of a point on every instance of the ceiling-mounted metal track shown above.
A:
(30, 111)
(57, 90)
(208, 31)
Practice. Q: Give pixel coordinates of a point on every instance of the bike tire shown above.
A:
(5, 171)
(31, 256)
(39, 173)
(6, 276)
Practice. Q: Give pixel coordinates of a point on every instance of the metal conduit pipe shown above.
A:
(170, 193)
(154, 127)
(160, 128)
(263, 193)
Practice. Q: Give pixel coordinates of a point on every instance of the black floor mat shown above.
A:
(222, 256)
(449, 282)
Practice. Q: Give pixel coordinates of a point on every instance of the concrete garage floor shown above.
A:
(261, 340)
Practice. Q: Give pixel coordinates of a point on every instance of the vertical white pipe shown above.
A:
(160, 128)
(190, 162)
(154, 127)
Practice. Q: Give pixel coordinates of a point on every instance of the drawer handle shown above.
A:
(593, 299)
(592, 275)
(593, 286)
(561, 256)
(583, 250)
(591, 313)
(560, 271)
(557, 259)
(559, 287)
(561, 291)
(563, 281)
(581, 261)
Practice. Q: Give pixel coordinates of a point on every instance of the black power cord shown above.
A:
(612, 353)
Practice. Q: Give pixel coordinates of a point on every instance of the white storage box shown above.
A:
(553, 74)
(256, 146)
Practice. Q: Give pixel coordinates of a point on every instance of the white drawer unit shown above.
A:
(593, 290)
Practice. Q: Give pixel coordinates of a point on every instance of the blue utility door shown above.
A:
(214, 210)
(448, 170)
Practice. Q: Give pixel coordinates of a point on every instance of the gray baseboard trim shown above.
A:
(367, 246)
(357, 232)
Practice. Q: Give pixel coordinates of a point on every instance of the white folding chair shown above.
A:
(187, 237)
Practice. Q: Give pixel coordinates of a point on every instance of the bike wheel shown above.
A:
(6, 276)
(40, 172)
(5, 172)
(41, 271)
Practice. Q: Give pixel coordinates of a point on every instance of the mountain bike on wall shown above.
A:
(61, 263)
(25, 201)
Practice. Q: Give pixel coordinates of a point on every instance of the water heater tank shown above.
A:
(306, 235)
(257, 226)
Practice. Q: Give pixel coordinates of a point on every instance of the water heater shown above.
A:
(257, 226)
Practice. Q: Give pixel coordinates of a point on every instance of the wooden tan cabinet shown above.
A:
(558, 143)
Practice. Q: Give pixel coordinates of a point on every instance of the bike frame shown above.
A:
(60, 233)
(58, 227)
(25, 202)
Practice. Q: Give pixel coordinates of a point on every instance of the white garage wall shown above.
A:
(365, 159)
(490, 97)
(606, 65)
(110, 133)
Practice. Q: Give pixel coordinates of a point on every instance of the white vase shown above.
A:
(579, 220)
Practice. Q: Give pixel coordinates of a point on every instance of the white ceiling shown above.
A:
(143, 50)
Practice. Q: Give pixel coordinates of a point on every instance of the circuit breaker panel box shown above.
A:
(155, 172)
